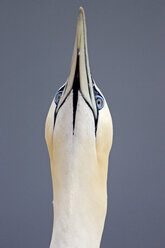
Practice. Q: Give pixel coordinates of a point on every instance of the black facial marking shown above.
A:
(96, 91)
(55, 112)
(76, 88)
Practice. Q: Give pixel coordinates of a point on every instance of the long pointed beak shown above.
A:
(80, 52)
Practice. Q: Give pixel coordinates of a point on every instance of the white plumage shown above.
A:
(79, 133)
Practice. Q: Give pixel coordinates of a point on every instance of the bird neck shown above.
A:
(80, 201)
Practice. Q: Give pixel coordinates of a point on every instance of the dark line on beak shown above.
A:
(95, 118)
(76, 88)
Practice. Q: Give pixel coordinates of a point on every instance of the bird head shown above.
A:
(79, 124)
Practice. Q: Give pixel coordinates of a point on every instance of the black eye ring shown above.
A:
(57, 97)
(99, 102)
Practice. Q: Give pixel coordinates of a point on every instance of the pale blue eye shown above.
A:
(99, 102)
(57, 97)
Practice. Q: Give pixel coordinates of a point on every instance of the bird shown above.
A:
(79, 135)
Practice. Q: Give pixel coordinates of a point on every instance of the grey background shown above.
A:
(126, 41)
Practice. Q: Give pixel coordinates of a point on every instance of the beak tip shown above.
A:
(81, 10)
(81, 13)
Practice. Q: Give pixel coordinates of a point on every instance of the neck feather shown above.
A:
(80, 201)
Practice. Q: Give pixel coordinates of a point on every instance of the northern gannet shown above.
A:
(78, 134)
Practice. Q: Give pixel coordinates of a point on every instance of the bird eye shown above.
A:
(57, 97)
(99, 102)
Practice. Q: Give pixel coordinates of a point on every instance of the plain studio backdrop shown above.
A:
(126, 41)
